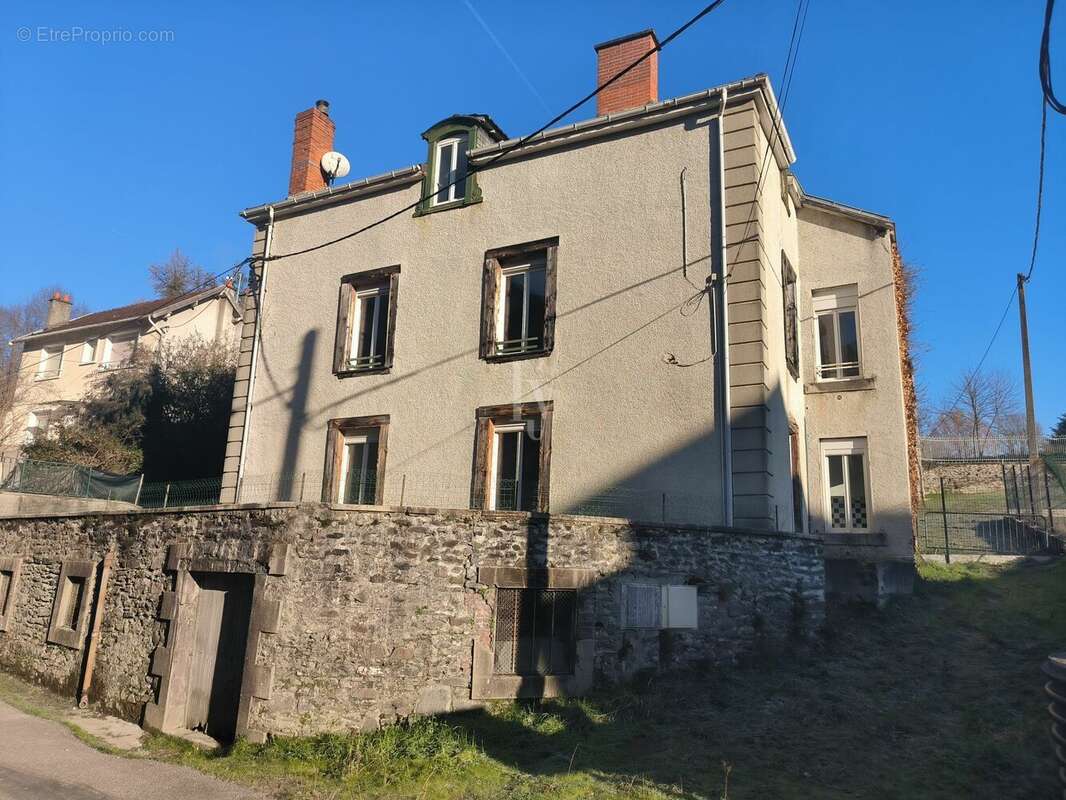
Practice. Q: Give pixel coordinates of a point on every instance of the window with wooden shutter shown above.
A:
(366, 322)
(518, 301)
(512, 457)
(354, 471)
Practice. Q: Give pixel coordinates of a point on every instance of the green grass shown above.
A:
(975, 502)
(936, 696)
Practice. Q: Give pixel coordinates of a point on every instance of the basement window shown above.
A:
(366, 322)
(535, 632)
(518, 301)
(512, 457)
(355, 460)
(847, 487)
(70, 609)
(836, 315)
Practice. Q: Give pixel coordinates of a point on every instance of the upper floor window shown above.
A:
(450, 180)
(118, 350)
(450, 169)
(836, 316)
(518, 300)
(89, 351)
(51, 362)
(366, 321)
(788, 296)
(512, 457)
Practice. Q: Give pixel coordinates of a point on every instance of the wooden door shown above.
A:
(223, 608)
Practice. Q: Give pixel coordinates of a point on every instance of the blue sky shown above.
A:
(115, 154)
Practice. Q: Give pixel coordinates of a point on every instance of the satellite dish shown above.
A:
(334, 165)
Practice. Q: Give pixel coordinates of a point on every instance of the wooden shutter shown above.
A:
(340, 345)
(330, 472)
(549, 299)
(480, 473)
(544, 484)
(489, 288)
(390, 336)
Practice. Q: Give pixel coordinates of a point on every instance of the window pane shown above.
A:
(460, 169)
(535, 320)
(857, 486)
(121, 349)
(507, 471)
(444, 172)
(838, 510)
(366, 344)
(827, 349)
(380, 339)
(530, 482)
(513, 312)
(360, 481)
(849, 343)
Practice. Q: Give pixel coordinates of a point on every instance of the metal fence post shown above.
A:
(303, 480)
(1006, 491)
(140, 485)
(166, 495)
(1029, 480)
(1050, 513)
(1017, 494)
(944, 514)
(403, 487)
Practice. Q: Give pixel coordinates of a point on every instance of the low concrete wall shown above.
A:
(364, 616)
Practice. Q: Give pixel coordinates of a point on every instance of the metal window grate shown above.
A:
(535, 631)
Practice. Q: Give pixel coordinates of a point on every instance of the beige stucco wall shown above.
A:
(622, 417)
(211, 320)
(837, 251)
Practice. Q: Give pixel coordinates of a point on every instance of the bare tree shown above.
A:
(177, 276)
(987, 405)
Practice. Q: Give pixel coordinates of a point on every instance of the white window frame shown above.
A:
(374, 360)
(846, 447)
(105, 361)
(47, 351)
(506, 274)
(452, 194)
(833, 302)
(494, 466)
(363, 438)
(90, 350)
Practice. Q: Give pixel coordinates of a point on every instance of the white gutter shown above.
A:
(723, 324)
(259, 307)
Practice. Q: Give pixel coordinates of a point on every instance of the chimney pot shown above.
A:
(640, 85)
(312, 139)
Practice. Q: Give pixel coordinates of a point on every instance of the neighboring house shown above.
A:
(60, 362)
(552, 333)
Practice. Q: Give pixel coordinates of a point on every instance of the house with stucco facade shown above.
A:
(60, 363)
(638, 315)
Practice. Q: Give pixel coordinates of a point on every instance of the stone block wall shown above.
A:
(361, 617)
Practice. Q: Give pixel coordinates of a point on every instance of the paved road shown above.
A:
(41, 760)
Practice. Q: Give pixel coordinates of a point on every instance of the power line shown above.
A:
(1045, 62)
(473, 169)
(1039, 189)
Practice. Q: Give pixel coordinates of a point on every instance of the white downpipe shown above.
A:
(723, 315)
(260, 305)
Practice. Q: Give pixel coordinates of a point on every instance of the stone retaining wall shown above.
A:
(361, 617)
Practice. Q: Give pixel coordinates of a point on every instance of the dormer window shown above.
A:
(450, 169)
(449, 181)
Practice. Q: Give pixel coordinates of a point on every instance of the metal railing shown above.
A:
(948, 448)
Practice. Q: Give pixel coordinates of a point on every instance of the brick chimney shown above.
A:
(637, 87)
(312, 139)
(58, 310)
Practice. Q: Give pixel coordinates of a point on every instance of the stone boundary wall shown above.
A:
(361, 617)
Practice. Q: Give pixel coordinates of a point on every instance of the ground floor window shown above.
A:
(535, 631)
(355, 460)
(512, 456)
(846, 478)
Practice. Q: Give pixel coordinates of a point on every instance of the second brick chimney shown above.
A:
(58, 310)
(637, 87)
(312, 139)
